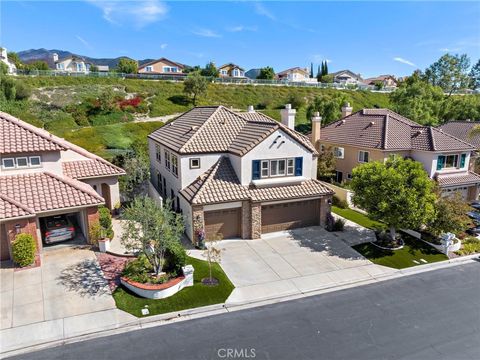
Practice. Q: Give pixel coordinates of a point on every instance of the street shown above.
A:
(433, 315)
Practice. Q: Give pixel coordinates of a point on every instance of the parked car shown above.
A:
(57, 228)
(475, 231)
(474, 215)
(475, 205)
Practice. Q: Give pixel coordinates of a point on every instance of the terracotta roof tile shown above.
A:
(470, 178)
(10, 208)
(88, 168)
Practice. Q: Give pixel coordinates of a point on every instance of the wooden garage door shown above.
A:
(291, 215)
(223, 224)
(4, 251)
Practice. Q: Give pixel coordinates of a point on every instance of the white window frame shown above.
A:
(21, 166)
(158, 153)
(456, 161)
(223, 72)
(361, 156)
(8, 167)
(290, 167)
(167, 160)
(149, 68)
(35, 157)
(236, 73)
(194, 166)
(339, 152)
(174, 161)
(264, 168)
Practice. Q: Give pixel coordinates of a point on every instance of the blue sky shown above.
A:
(371, 38)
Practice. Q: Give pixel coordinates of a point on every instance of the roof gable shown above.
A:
(461, 130)
(164, 60)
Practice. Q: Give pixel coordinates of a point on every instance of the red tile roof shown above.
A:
(10, 208)
(84, 169)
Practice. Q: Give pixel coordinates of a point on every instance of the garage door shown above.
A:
(4, 251)
(223, 224)
(290, 215)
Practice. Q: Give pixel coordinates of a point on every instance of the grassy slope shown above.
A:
(190, 297)
(358, 218)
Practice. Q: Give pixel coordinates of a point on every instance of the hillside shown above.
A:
(55, 102)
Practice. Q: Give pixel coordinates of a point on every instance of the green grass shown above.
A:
(190, 297)
(399, 259)
(358, 218)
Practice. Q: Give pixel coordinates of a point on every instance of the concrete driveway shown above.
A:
(295, 262)
(68, 283)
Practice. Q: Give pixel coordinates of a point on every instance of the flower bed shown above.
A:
(385, 242)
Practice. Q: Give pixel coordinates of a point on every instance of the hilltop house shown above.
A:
(376, 134)
(12, 69)
(387, 81)
(162, 66)
(237, 174)
(231, 70)
(347, 77)
(296, 74)
(42, 175)
(72, 64)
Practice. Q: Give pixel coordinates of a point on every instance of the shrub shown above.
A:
(470, 245)
(342, 204)
(175, 259)
(105, 220)
(140, 270)
(339, 225)
(95, 233)
(23, 249)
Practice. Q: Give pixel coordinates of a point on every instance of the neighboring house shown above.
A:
(237, 174)
(296, 74)
(347, 77)
(252, 73)
(388, 81)
(376, 134)
(43, 175)
(231, 70)
(103, 68)
(73, 64)
(462, 130)
(162, 66)
(12, 69)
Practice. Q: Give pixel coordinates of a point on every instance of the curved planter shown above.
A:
(160, 291)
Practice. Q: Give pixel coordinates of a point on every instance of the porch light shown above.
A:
(17, 228)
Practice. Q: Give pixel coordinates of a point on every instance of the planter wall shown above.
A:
(161, 291)
(441, 248)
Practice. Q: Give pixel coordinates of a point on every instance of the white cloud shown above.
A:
(404, 61)
(84, 42)
(163, 46)
(260, 9)
(140, 13)
(206, 33)
(449, 49)
(240, 28)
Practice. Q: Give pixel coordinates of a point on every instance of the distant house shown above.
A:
(347, 77)
(388, 81)
(296, 74)
(231, 70)
(12, 69)
(162, 66)
(103, 68)
(252, 73)
(73, 63)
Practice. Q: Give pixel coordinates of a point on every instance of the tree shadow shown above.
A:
(85, 278)
(180, 100)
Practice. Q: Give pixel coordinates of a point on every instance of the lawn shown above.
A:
(358, 218)
(190, 297)
(413, 250)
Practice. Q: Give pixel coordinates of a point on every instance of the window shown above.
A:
(164, 188)
(276, 168)
(195, 163)
(79, 67)
(339, 152)
(170, 69)
(159, 183)
(236, 73)
(167, 159)
(158, 153)
(8, 163)
(22, 162)
(290, 167)
(363, 156)
(265, 169)
(148, 68)
(35, 161)
(349, 176)
(223, 72)
(451, 161)
(174, 165)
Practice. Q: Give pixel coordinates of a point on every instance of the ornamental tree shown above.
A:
(266, 73)
(397, 192)
(450, 215)
(127, 66)
(195, 85)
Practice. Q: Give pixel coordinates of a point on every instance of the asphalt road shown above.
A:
(434, 315)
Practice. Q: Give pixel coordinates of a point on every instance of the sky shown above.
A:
(370, 38)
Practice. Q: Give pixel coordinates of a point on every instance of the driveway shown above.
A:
(295, 262)
(68, 283)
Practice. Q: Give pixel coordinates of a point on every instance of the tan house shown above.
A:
(296, 74)
(231, 70)
(71, 64)
(347, 77)
(387, 81)
(42, 175)
(162, 66)
(376, 134)
(237, 174)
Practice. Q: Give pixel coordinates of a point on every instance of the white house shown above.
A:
(237, 174)
(347, 77)
(72, 64)
(12, 69)
(296, 74)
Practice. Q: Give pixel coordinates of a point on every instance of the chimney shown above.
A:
(55, 57)
(346, 110)
(288, 116)
(316, 128)
(250, 109)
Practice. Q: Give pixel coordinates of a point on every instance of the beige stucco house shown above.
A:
(231, 70)
(387, 81)
(72, 64)
(237, 174)
(376, 134)
(296, 74)
(162, 66)
(43, 175)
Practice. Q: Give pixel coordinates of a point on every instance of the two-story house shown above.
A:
(347, 77)
(387, 81)
(162, 66)
(296, 74)
(237, 174)
(231, 71)
(376, 134)
(42, 175)
(73, 64)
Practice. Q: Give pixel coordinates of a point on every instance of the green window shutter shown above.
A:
(463, 157)
(440, 162)
(255, 169)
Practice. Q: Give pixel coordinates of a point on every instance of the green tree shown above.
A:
(475, 76)
(325, 72)
(450, 215)
(93, 68)
(461, 107)
(328, 105)
(327, 79)
(11, 89)
(326, 164)
(37, 65)
(397, 192)
(378, 85)
(266, 73)
(210, 70)
(14, 58)
(319, 73)
(418, 101)
(137, 168)
(152, 230)
(296, 100)
(127, 66)
(195, 85)
(311, 70)
(3, 68)
(450, 72)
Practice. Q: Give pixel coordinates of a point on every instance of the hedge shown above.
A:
(24, 249)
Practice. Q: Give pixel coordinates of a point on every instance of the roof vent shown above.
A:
(372, 123)
(250, 109)
(194, 127)
(343, 121)
(419, 132)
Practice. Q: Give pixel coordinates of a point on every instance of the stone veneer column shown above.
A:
(25, 226)
(325, 208)
(198, 220)
(256, 220)
(246, 220)
(92, 217)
